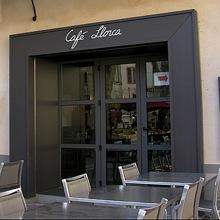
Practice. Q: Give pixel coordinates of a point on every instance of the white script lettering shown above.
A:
(71, 37)
(102, 32)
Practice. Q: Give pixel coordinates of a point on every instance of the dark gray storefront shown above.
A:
(40, 131)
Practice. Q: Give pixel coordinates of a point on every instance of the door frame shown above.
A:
(96, 145)
(144, 99)
(101, 147)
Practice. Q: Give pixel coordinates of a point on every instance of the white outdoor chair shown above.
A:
(188, 206)
(128, 171)
(12, 204)
(156, 212)
(212, 207)
(75, 186)
(10, 174)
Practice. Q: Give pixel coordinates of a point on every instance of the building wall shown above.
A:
(16, 17)
(0, 10)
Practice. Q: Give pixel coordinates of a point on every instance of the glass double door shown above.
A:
(114, 112)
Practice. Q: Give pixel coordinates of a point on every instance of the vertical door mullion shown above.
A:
(143, 115)
(97, 122)
(60, 117)
(103, 123)
(138, 112)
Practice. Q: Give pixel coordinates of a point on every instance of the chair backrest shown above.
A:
(75, 186)
(12, 203)
(198, 196)
(10, 174)
(156, 212)
(188, 203)
(128, 171)
(216, 196)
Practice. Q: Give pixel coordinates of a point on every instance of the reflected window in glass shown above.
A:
(120, 81)
(121, 120)
(157, 75)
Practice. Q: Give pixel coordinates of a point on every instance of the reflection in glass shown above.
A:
(120, 81)
(75, 161)
(159, 160)
(158, 123)
(121, 123)
(157, 75)
(78, 124)
(115, 159)
(77, 82)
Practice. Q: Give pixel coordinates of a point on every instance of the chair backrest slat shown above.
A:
(188, 207)
(128, 171)
(75, 186)
(198, 195)
(10, 174)
(156, 212)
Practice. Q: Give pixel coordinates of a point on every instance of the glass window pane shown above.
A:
(120, 81)
(158, 122)
(115, 159)
(157, 75)
(159, 160)
(121, 123)
(77, 82)
(78, 124)
(75, 161)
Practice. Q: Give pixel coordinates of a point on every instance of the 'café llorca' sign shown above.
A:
(101, 32)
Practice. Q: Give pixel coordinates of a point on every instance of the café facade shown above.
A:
(91, 97)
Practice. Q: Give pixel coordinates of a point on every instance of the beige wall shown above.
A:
(17, 18)
(0, 11)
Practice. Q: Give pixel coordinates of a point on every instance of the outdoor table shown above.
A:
(137, 196)
(169, 178)
(77, 211)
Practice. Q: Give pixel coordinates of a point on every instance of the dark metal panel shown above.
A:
(184, 100)
(198, 92)
(47, 139)
(18, 110)
(31, 130)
